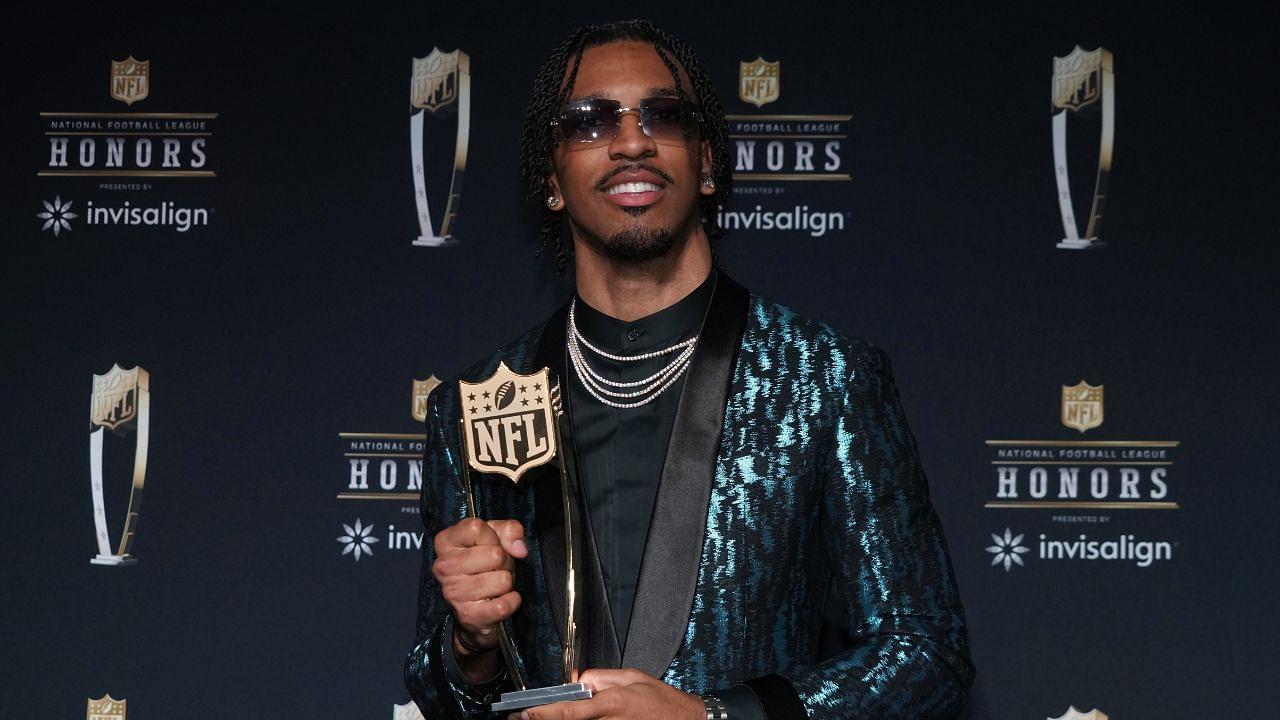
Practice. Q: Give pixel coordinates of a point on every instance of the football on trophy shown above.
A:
(506, 394)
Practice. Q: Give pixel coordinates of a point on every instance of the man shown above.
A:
(737, 462)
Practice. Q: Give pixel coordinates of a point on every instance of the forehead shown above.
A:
(623, 70)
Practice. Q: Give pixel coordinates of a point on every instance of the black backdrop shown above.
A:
(302, 311)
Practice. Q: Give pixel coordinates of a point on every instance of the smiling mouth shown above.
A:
(633, 187)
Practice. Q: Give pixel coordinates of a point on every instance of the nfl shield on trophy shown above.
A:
(512, 423)
(440, 88)
(121, 401)
(1084, 85)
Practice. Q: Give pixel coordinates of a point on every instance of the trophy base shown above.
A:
(422, 241)
(520, 699)
(1081, 244)
(113, 560)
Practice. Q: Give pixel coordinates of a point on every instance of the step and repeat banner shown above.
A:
(244, 246)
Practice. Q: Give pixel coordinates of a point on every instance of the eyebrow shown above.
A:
(663, 91)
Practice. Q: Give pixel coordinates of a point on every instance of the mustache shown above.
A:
(632, 167)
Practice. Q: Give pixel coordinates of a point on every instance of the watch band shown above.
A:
(716, 709)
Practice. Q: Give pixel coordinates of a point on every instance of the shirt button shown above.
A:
(634, 334)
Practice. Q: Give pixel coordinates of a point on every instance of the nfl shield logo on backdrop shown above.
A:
(130, 80)
(758, 81)
(1082, 406)
(421, 391)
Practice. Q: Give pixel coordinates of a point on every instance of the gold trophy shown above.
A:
(1083, 81)
(512, 423)
(121, 401)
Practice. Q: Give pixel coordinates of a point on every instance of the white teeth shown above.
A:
(633, 187)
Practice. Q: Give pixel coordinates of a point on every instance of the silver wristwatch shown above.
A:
(715, 707)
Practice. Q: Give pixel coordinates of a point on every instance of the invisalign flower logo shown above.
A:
(1007, 550)
(358, 540)
(57, 215)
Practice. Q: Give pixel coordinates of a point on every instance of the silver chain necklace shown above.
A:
(649, 388)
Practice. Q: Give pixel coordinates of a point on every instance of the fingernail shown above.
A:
(520, 547)
(524, 715)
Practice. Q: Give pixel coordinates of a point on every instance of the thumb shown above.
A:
(511, 535)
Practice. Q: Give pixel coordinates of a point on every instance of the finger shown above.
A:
(511, 535)
(481, 615)
(599, 679)
(467, 532)
(472, 561)
(481, 586)
(571, 710)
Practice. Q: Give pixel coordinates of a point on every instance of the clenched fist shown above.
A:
(475, 566)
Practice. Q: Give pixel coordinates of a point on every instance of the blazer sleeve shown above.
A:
(433, 680)
(892, 571)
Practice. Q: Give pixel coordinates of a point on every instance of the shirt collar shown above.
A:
(664, 327)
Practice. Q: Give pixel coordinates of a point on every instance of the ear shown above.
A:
(705, 168)
(554, 183)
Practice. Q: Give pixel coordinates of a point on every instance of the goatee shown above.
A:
(639, 244)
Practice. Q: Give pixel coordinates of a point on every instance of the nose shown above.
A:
(631, 142)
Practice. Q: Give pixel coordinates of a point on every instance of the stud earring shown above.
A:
(552, 201)
(708, 183)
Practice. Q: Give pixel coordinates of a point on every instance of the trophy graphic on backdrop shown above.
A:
(1083, 81)
(439, 81)
(121, 399)
(510, 424)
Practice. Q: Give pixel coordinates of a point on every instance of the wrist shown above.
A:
(478, 665)
(713, 708)
(463, 646)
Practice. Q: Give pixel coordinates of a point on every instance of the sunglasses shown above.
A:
(598, 121)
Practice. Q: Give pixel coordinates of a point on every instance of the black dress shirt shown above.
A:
(621, 450)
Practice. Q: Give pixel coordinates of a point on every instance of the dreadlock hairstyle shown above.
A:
(537, 139)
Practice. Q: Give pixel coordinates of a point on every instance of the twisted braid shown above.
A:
(537, 138)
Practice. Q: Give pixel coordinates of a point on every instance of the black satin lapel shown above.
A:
(601, 644)
(600, 637)
(669, 571)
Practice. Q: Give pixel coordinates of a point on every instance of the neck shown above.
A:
(629, 291)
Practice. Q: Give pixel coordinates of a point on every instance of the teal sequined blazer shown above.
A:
(791, 476)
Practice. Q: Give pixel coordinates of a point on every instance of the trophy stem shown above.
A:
(572, 542)
(505, 643)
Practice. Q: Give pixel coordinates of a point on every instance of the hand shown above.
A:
(624, 694)
(475, 566)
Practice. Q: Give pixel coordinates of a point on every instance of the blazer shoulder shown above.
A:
(774, 324)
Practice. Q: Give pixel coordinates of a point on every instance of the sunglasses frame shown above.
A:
(692, 120)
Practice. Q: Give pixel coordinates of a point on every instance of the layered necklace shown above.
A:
(626, 394)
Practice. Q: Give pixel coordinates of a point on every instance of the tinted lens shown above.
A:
(666, 118)
(593, 121)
